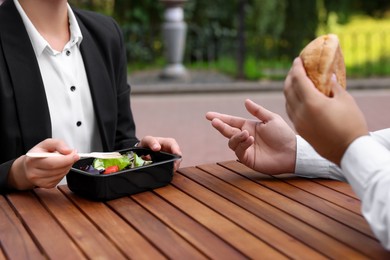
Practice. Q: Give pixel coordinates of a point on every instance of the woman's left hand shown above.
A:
(164, 144)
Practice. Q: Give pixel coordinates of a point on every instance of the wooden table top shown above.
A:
(222, 210)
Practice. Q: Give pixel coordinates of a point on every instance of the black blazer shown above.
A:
(24, 114)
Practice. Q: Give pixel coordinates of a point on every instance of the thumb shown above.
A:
(258, 111)
(335, 86)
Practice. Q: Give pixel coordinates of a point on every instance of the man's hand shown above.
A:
(329, 124)
(267, 145)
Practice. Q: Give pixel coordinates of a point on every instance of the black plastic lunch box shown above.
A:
(125, 182)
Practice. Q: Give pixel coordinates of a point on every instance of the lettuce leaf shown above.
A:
(102, 164)
(129, 160)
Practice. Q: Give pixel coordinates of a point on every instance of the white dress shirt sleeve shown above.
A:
(310, 164)
(366, 167)
(382, 137)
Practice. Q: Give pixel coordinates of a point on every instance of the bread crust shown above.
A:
(322, 58)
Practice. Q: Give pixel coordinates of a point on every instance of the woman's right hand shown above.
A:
(267, 145)
(27, 173)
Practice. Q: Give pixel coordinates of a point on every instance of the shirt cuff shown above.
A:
(309, 163)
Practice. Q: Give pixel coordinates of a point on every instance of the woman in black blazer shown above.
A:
(24, 113)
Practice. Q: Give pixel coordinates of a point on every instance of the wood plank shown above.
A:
(352, 219)
(307, 234)
(268, 233)
(199, 236)
(230, 232)
(339, 186)
(126, 238)
(279, 197)
(44, 228)
(325, 192)
(87, 236)
(15, 242)
(328, 194)
(164, 238)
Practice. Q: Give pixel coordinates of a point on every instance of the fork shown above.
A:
(100, 155)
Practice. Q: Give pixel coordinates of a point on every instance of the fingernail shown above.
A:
(333, 78)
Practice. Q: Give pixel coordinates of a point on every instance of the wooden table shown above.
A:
(217, 211)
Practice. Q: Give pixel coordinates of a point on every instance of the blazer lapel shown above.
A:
(102, 91)
(30, 96)
(25, 76)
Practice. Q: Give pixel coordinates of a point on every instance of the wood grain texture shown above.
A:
(130, 242)
(213, 211)
(162, 237)
(268, 233)
(85, 234)
(43, 228)
(15, 240)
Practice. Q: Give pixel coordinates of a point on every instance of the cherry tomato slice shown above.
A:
(111, 169)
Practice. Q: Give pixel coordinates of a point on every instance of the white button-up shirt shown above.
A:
(366, 166)
(66, 86)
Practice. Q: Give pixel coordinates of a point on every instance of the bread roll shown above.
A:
(321, 58)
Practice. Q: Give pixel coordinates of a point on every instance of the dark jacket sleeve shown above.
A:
(4, 169)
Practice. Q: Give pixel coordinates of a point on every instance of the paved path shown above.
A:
(149, 82)
(182, 116)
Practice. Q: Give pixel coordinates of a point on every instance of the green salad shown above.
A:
(127, 161)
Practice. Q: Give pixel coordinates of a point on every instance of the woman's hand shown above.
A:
(168, 145)
(27, 173)
(329, 124)
(267, 145)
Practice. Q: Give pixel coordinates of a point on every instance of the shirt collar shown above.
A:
(38, 42)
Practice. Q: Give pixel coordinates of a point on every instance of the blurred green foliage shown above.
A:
(274, 31)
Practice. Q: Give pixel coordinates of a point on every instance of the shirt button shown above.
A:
(72, 88)
(78, 123)
(67, 52)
